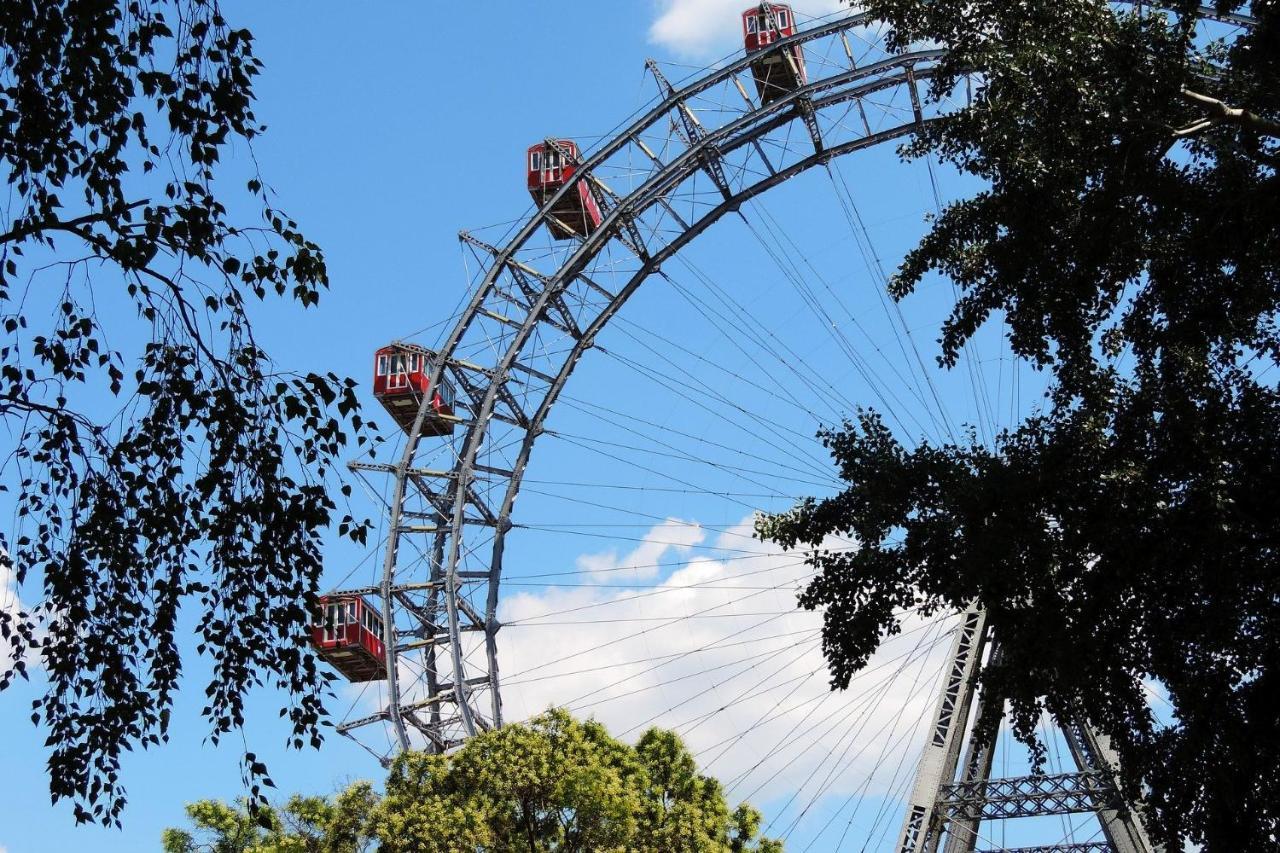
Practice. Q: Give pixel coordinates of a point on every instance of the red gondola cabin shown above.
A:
(779, 72)
(349, 637)
(402, 377)
(550, 164)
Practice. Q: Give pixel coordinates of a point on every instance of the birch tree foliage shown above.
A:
(161, 469)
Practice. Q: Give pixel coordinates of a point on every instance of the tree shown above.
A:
(1129, 236)
(189, 470)
(558, 784)
(555, 784)
(302, 825)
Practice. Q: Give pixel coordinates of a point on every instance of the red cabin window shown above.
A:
(766, 23)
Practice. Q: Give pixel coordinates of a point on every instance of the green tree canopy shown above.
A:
(558, 784)
(554, 784)
(158, 457)
(1129, 236)
(301, 825)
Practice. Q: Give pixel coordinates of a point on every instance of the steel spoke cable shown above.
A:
(858, 795)
(849, 724)
(806, 647)
(778, 255)
(661, 590)
(972, 354)
(727, 743)
(656, 489)
(617, 586)
(707, 312)
(630, 619)
(795, 363)
(703, 393)
(758, 657)
(816, 468)
(688, 726)
(860, 721)
(741, 472)
(876, 267)
(897, 789)
(792, 274)
(673, 620)
(821, 468)
(782, 233)
(870, 697)
(654, 658)
(713, 645)
(650, 470)
(589, 535)
(916, 687)
(673, 564)
(760, 333)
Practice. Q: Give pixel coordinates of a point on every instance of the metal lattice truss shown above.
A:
(952, 797)
(1030, 796)
(702, 150)
(1084, 847)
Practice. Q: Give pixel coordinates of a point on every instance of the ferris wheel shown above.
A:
(673, 392)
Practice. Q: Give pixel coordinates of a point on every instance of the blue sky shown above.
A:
(394, 125)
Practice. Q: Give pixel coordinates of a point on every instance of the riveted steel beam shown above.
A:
(711, 159)
(1029, 796)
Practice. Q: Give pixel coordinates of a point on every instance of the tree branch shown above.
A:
(1221, 113)
(67, 225)
(181, 306)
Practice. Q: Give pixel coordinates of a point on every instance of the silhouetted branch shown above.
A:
(68, 225)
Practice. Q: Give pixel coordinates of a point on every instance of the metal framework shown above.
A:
(701, 151)
(451, 500)
(1085, 847)
(951, 798)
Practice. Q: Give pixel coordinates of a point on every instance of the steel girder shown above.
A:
(1030, 796)
(1084, 847)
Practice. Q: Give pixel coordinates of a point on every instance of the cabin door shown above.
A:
(397, 378)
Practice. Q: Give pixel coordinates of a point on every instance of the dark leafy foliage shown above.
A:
(1130, 238)
(190, 470)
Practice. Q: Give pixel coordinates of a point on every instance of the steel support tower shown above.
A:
(951, 798)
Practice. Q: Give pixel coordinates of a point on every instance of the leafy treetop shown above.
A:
(555, 784)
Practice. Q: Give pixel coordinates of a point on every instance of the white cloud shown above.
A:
(718, 651)
(703, 28)
(672, 535)
(699, 632)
